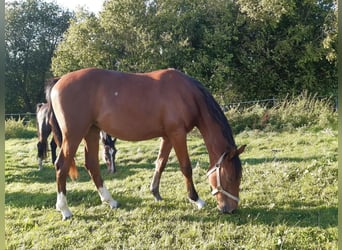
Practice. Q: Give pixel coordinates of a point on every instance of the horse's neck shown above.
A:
(214, 139)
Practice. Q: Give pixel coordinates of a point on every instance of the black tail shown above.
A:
(56, 130)
(57, 133)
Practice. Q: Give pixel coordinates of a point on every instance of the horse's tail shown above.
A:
(56, 130)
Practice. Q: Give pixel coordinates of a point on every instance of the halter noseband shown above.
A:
(219, 189)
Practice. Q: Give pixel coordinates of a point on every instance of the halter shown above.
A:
(219, 189)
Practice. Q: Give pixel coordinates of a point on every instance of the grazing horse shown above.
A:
(44, 130)
(109, 151)
(134, 107)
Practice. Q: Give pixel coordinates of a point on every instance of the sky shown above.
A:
(91, 5)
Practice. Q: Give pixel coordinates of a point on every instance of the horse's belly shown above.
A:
(131, 130)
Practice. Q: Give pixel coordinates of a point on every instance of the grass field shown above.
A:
(288, 198)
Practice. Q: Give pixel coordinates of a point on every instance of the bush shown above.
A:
(19, 129)
(302, 111)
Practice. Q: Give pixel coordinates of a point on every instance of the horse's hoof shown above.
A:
(114, 204)
(66, 217)
(158, 198)
(111, 171)
(199, 203)
(156, 195)
(66, 213)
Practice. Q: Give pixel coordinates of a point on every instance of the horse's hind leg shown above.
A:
(63, 163)
(93, 167)
(163, 156)
(179, 144)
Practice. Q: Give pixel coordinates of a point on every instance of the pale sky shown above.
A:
(91, 5)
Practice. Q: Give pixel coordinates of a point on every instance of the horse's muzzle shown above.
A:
(226, 210)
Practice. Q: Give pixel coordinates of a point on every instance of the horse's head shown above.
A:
(109, 157)
(224, 179)
(109, 151)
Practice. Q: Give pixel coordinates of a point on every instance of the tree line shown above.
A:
(239, 49)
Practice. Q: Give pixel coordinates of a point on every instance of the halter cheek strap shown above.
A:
(219, 188)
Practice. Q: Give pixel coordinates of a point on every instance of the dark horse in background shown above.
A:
(141, 106)
(44, 130)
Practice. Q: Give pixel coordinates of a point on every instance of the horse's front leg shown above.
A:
(180, 146)
(93, 167)
(164, 152)
(40, 155)
(53, 147)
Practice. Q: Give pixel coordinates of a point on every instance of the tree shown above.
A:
(283, 52)
(33, 29)
(193, 36)
(242, 50)
(83, 45)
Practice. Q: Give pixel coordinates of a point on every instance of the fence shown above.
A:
(26, 117)
(272, 102)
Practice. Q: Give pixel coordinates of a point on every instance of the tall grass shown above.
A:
(19, 128)
(305, 110)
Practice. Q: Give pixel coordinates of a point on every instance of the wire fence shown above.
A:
(271, 102)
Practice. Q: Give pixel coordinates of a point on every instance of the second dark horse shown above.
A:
(44, 130)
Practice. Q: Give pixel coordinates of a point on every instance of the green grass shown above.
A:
(288, 198)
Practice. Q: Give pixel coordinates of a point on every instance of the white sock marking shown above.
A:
(40, 163)
(62, 206)
(200, 203)
(106, 197)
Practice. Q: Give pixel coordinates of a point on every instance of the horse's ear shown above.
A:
(236, 151)
(241, 149)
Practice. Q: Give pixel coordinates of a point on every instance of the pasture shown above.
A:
(288, 198)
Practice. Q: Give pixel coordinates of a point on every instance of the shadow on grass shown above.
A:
(31, 175)
(34, 200)
(322, 217)
(295, 214)
(75, 198)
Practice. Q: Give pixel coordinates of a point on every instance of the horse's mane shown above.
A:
(218, 115)
(216, 112)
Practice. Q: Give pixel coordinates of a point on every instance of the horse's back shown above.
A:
(126, 105)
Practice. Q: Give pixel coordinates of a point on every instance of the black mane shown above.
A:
(218, 115)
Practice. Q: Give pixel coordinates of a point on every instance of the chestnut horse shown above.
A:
(141, 106)
(44, 130)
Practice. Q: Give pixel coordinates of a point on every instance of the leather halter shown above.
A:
(219, 188)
